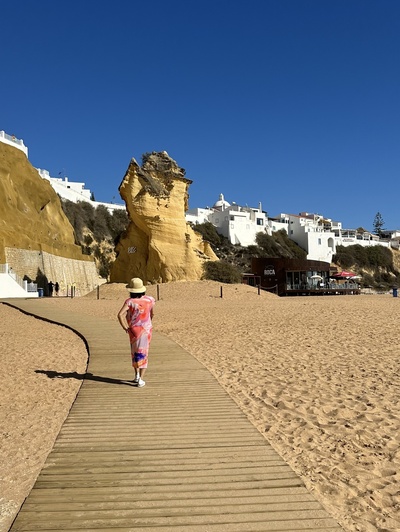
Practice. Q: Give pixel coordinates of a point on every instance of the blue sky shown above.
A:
(291, 103)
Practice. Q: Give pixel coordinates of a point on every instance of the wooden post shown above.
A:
(98, 292)
(158, 292)
(221, 292)
(259, 289)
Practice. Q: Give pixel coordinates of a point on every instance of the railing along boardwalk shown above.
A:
(177, 455)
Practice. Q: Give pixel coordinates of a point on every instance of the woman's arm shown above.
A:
(122, 317)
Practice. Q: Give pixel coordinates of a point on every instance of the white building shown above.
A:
(351, 237)
(393, 236)
(198, 215)
(238, 224)
(314, 233)
(12, 140)
(75, 191)
(320, 236)
(310, 232)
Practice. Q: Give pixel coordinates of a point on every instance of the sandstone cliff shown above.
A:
(159, 246)
(31, 216)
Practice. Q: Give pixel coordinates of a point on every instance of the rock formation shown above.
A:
(36, 238)
(31, 216)
(159, 245)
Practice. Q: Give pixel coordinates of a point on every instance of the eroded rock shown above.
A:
(159, 245)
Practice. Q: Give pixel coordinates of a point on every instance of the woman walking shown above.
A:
(135, 318)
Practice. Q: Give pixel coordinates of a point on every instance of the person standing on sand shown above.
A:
(50, 286)
(135, 318)
(57, 288)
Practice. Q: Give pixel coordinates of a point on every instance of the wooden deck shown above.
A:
(321, 292)
(175, 456)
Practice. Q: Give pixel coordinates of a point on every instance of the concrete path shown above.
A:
(177, 455)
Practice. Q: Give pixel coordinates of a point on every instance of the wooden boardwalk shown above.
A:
(177, 455)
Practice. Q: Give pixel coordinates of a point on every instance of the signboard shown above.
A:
(269, 271)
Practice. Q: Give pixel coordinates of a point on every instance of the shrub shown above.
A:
(208, 232)
(253, 250)
(279, 245)
(118, 223)
(344, 256)
(99, 221)
(380, 257)
(268, 245)
(222, 272)
(104, 267)
(364, 257)
(367, 280)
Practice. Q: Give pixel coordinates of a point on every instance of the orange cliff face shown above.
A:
(31, 216)
(159, 245)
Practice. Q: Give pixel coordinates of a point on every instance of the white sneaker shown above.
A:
(141, 383)
(137, 378)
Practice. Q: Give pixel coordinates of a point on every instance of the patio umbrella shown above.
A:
(316, 277)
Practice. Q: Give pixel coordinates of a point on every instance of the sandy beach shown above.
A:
(318, 376)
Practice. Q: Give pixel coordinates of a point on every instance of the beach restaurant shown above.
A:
(295, 277)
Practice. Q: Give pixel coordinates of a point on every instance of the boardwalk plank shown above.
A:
(177, 455)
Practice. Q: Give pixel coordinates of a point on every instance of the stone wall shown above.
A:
(42, 267)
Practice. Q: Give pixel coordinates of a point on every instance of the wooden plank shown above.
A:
(162, 458)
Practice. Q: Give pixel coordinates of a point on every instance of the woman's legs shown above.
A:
(139, 373)
(140, 341)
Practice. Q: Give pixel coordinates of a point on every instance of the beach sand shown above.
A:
(318, 376)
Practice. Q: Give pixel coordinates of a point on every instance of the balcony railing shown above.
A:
(28, 287)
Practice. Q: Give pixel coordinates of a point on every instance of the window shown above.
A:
(319, 241)
(232, 218)
(260, 221)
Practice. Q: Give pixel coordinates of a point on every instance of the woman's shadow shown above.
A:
(82, 377)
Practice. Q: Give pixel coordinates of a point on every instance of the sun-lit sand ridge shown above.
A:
(318, 376)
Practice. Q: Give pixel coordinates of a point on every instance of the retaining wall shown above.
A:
(42, 267)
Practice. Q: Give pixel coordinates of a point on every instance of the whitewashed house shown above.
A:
(198, 215)
(314, 233)
(12, 140)
(310, 233)
(238, 224)
(75, 191)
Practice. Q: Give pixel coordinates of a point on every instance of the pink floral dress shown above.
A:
(140, 328)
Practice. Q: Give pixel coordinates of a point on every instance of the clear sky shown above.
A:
(291, 103)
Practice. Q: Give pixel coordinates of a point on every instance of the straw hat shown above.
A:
(136, 286)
